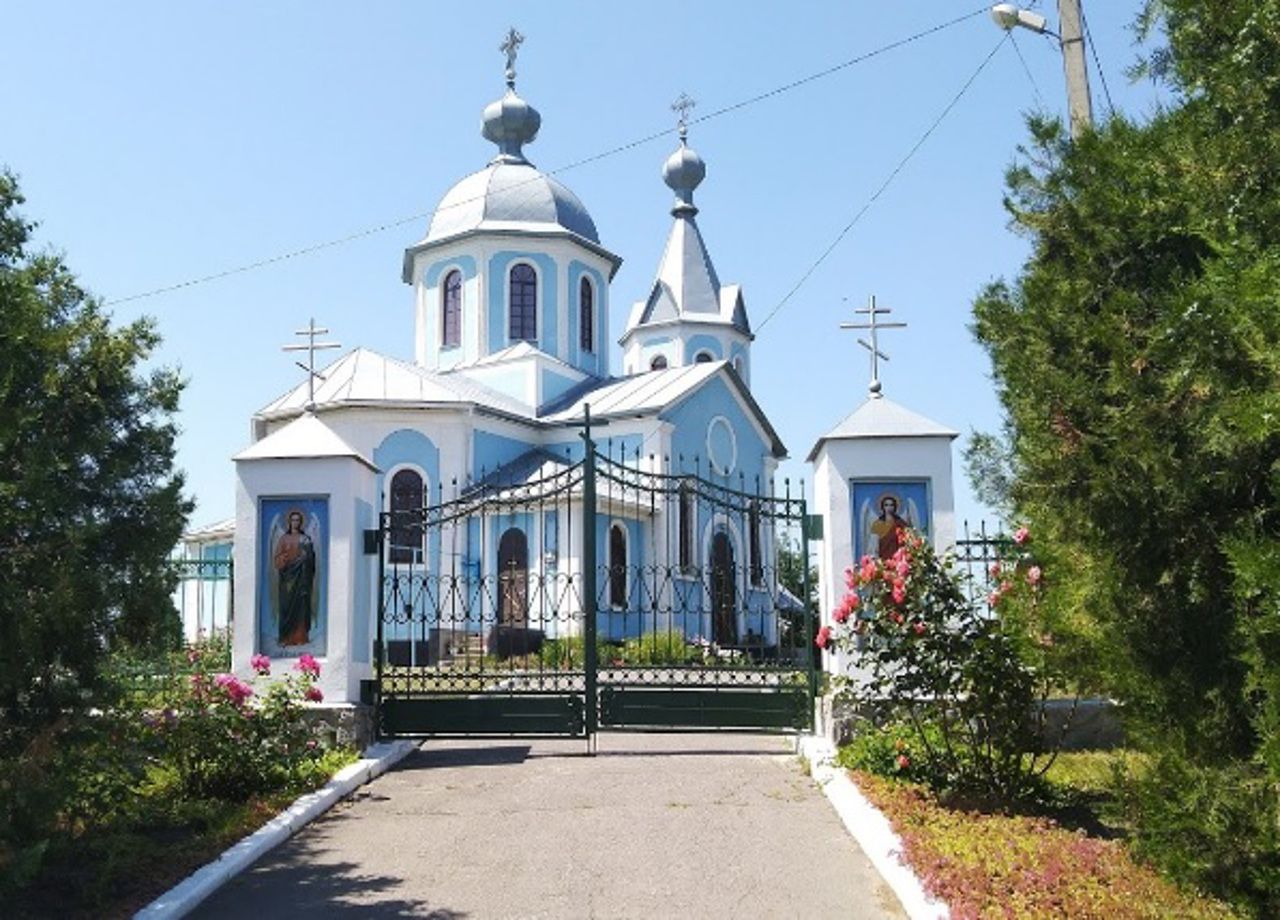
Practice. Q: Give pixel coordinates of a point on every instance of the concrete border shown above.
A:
(870, 828)
(184, 897)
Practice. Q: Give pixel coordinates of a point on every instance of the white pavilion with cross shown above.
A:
(508, 344)
(881, 462)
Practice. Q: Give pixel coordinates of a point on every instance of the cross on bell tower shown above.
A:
(871, 324)
(683, 104)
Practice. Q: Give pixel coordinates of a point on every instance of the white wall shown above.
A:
(344, 481)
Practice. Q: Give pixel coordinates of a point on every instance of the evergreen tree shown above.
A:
(1137, 357)
(90, 506)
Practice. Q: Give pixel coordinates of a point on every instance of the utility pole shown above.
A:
(1079, 106)
(1071, 40)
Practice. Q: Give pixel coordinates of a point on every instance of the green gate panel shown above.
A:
(640, 707)
(484, 715)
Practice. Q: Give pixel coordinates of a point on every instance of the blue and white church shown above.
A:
(511, 292)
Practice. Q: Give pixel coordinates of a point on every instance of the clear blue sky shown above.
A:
(160, 142)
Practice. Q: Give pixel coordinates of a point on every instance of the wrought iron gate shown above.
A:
(564, 598)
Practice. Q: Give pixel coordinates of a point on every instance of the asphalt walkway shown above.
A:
(653, 826)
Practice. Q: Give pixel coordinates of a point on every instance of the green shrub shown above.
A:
(1217, 828)
(569, 653)
(659, 648)
(223, 743)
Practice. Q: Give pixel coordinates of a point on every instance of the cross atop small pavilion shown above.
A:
(873, 346)
(683, 104)
(511, 47)
(311, 347)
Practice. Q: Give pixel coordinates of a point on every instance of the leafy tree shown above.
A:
(90, 506)
(1137, 357)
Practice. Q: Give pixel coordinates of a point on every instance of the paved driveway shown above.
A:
(654, 826)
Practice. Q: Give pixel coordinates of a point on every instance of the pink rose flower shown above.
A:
(899, 592)
(903, 761)
(1034, 575)
(995, 570)
(236, 689)
(308, 665)
(313, 695)
(1022, 536)
(261, 664)
(824, 637)
(840, 614)
(919, 628)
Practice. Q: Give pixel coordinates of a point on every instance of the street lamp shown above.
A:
(1079, 108)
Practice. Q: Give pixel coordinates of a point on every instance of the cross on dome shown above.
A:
(873, 346)
(683, 104)
(511, 47)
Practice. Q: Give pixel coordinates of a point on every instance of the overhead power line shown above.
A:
(884, 185)
(613, 151)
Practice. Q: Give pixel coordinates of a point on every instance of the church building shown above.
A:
(511, 294)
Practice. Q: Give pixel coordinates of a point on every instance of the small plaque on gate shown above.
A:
(371, 542)
(813, 526)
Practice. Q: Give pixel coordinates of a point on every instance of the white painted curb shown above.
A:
(870, 828)
(184, 897)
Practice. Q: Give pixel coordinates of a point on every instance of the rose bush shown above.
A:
(957, 680)
(227, 738)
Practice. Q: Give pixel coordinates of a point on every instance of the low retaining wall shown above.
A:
(1095, 724)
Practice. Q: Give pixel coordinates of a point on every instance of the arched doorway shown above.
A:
(513, 578)
(724, 614)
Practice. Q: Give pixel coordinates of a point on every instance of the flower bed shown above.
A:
(1002, 867)
(107, 811)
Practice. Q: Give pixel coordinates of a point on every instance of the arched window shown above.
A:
(513, 577)
(685, 526)
(753, 544)
(617, 566)
(451, 310)
(659, 363)
(704, 357)
(586, 316)
(523, 303)
(407, 523)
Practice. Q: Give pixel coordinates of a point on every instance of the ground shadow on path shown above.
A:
(300, 886)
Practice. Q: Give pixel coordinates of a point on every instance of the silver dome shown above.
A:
(510, 196)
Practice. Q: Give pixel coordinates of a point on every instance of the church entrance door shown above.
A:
(513, 578)
(724, 607)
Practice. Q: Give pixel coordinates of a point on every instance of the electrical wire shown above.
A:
(1035, 87)
(613, 151)
(884, 185)
(1093, 49)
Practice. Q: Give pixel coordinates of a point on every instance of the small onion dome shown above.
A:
(510, 122)
(683, 172)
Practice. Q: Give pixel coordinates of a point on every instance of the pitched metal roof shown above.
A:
(306, 437)
(687, 288)
(883, 418)
(363, 377)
